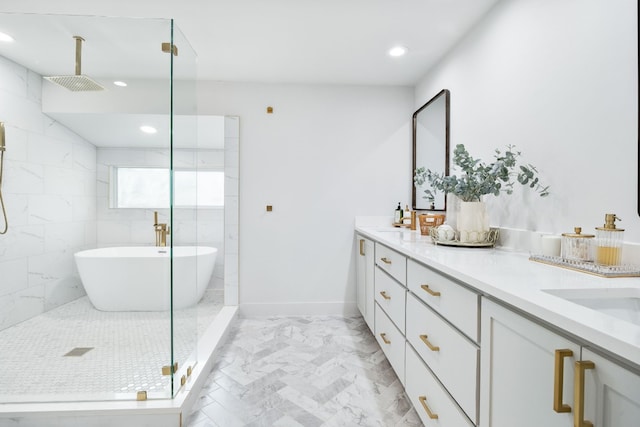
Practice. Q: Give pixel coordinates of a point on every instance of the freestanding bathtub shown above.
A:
(137, 278)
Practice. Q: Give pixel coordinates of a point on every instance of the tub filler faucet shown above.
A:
(161, 231)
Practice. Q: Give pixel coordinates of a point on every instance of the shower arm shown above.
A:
(79, 41)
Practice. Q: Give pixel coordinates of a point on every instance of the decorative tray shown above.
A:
(589, 267)
(489, 241)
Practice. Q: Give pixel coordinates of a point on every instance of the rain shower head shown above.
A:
(77, 82)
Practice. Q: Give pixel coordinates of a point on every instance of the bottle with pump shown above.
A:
(397, 217)
(609, 241)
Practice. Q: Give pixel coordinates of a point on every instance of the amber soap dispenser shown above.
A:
(609, 241)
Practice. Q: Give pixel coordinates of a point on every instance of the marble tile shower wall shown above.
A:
(127, 227)
(50, 194)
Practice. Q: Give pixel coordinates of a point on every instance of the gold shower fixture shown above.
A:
(2, 136)
(77, 82)
(2, 150)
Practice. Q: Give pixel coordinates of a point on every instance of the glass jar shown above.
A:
(577, 246)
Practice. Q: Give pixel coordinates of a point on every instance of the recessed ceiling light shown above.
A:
(120, 83)
(148, 129)
(5, 38)
(397, 51)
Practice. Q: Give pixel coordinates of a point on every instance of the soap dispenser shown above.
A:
(397, 217)
(609, 241)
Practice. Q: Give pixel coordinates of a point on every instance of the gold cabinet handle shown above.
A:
(384, 338)
(558, 381)
(578, 393)
(362, 247)
(385, 260)
(430, 291)
(431, 346)
(423, 402)
(384, 295)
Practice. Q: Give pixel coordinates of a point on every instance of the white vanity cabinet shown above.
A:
(531, 377)
(442, 329)
(392, 262)
(518, 373)
(457, 304)
(432, 402)
(391, 296)
(390, 299)
(611, 392)
(365, 267)
(391, 341)
(451, 356)
(428, 333)
(472, 347)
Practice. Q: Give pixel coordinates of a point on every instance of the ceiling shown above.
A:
(267, 41)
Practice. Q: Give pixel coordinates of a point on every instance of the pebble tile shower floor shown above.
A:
(128, 351)
(301, 371)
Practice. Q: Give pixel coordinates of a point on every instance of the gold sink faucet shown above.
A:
(161, 231)
(411, 225)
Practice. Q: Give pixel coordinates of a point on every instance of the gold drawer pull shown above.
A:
(430, 291)
(362, 247)
(423, 401)
(578, 393)
(384, 338)
(384, 295)
(431, 346)
(385, 260)
(558, 381)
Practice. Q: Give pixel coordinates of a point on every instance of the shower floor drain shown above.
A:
(79, 351)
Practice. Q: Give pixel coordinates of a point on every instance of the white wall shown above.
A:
(231, 209)
(126, 227)
(49, 190)
(559, 80)
(326, 154)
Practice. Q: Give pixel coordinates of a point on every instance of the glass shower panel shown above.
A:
(66, 336)
(189, 261)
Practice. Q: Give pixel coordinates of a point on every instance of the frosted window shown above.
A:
(149, 188)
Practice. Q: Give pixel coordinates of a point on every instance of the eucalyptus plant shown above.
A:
(478, 178)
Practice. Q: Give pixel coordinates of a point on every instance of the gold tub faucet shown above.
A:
(161, 231)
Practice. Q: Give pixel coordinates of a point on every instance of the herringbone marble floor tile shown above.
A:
(302, 371)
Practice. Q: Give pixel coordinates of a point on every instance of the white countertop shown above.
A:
(512, 278)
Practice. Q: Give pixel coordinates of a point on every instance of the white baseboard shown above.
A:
(299, 309)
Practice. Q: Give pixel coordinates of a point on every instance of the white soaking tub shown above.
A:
(137, 278)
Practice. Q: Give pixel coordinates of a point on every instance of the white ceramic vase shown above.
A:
(472, 222)
(453, 206)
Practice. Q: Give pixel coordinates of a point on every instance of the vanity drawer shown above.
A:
(426, 394)
(451, 356)
(392, 262)
(454, 302)
(391, 296)
(391, 341)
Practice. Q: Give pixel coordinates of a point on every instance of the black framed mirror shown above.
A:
(431, 146)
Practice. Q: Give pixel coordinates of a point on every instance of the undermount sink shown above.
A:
(391, 228)
(621, 303)
(404, 234)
